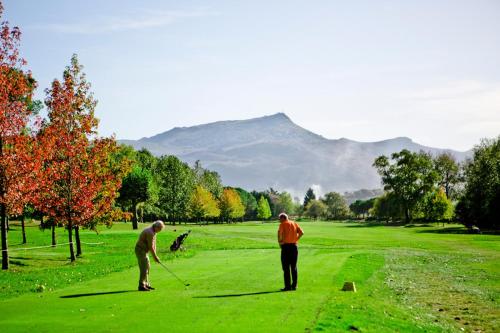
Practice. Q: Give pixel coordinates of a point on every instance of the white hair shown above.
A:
(283, 216)
(158, 225)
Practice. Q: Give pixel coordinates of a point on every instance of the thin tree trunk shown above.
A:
(5, 253)
(23, 229)
(7, 222)
(53, 234)
(134, 217)
(70, 238)
(78, 244)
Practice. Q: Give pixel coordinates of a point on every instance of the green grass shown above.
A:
(418, 279)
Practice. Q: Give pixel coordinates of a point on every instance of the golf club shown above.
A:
(185, 284)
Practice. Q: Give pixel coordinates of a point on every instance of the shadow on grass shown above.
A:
(239, 295)
(97, 294)
(17, 262)
(458, 230)
(374, 224)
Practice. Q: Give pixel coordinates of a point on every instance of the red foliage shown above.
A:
(16, 144)
(80, 178)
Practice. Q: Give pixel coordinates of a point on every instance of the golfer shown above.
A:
(289, 234)
(147, 243)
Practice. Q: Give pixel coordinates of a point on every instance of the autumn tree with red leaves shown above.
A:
(80, 178)
(16, 90)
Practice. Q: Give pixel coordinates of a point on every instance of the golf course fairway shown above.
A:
(418, 279)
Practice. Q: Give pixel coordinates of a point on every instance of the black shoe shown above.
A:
(285, 289)
(150, 288)
(294, 288)
(142, 288)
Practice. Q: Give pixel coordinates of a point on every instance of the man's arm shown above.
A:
(152, 247)
(280, 236)
(300, 232)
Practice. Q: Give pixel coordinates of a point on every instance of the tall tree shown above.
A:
(80, 179)
(284, 203)
(16, 91)
(309, 196)
(387, 207)
(263, 209)
(447, 169)
(230, 205)
(136, 188)
(203, 204)
(250, 203)
(316, 209)
(410, 176)
(480, 202)
(210, 180)
(176, 183)
(336, 206)
(436, 206)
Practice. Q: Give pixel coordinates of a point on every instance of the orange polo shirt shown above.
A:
(289, 232)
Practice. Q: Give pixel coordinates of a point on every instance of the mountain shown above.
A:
(272, 151)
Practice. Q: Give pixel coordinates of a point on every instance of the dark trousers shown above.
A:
(289, 256)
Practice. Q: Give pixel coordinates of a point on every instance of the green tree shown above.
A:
(249, 202)
(336, 207)
(448, 173)
(208, 179)
(176, 183)
(480, 202)
(202, 204)
(309, 196)
(230, 205)
(437, 206)
(271, 197)
(263, 209)
(284, 203)
(410, 176)
(387, 207)
(146, 160)
(136, 188)
(316, 209)
(362, 207)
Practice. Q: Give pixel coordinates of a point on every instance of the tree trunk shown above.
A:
(407, 215)
(23, 229)
(53, 234)
(70, 237)
(7, 222)
(134, 217)
(5, 253)
(78, 244)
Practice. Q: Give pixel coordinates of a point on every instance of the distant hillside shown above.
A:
(272, 151)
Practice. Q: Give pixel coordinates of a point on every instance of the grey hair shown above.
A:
(283, 215)
(158, 224)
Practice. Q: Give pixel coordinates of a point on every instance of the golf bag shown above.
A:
(177, 244)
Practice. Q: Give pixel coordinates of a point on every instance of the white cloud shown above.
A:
(143, 20)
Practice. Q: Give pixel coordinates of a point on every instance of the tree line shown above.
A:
(420, 186)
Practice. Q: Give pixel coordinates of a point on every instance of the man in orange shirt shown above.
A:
(289, 234)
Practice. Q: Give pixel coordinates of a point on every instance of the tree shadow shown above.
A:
(97, 294)
(375, 224)
(458, 230)
(17, 263)
(240, 295)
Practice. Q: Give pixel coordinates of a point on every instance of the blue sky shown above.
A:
(365, 70)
